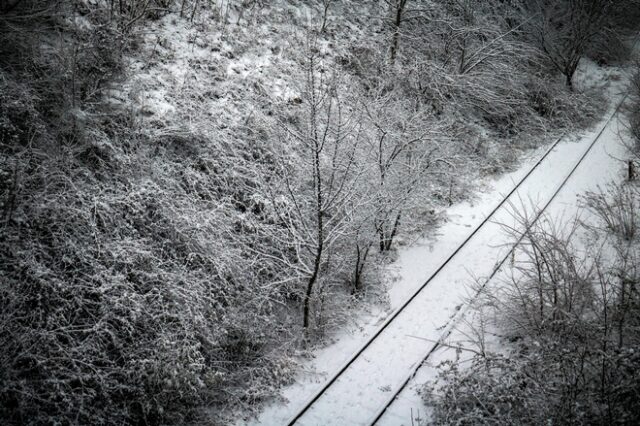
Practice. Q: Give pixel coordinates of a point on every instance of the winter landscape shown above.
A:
(319, 212)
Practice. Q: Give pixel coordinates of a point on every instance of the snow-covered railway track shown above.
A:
(388, 362)
(461, 313)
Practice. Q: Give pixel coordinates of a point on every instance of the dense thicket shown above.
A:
(151, 266)
(122, 297)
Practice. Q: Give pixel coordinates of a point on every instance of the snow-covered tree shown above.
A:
(317, 195)
(402, 148)
(565, 29)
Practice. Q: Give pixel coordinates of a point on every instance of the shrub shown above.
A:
(570, 316)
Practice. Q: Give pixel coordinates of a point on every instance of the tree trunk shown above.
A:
(622, 312)
(396, 30)
(381, 238)
(570, 71)
(317, 178)
(569, 81)
(361, 259)
(309, 292)
(394, 231)
(326, 5)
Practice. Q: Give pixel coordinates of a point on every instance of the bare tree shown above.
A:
(315, 203)
(569, 310)
(326, 4)
(566, 28)
(403, 147)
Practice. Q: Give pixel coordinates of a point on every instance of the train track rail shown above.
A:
(361, 352)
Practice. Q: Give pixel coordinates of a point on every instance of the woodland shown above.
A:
(195, 193)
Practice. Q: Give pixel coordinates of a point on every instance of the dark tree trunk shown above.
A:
(361, 259)
(394, 231)
(320, 225)
(309, 293)
(400, 5)
(569, 81)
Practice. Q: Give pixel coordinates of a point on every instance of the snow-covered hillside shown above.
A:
(199, 198)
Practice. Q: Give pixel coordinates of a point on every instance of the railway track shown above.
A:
(451, 324)
(318, 409)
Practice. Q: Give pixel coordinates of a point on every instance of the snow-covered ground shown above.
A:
(368, 383)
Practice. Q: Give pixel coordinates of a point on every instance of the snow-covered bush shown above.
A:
(541, 382)
(472, 64)
(617, 208)
(491, 390)
(126, 296)
(569, 315)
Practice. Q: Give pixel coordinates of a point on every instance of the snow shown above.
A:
(356, 396)
(591, 76)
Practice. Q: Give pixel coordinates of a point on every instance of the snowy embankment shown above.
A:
(356, 396)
